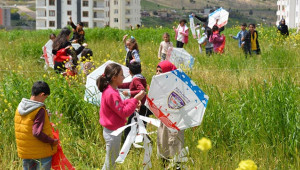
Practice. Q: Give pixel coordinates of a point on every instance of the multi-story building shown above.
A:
(54, 14)
(290, 11)
(5, 17)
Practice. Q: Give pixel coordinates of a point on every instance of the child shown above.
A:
(62, 50)
(163, 47)
(169, 143)
(78, 32)
(240, 35)
(114, 111)
(181, 34)
(88, 65)
(283, 28)
(137, 84)
(132, 49)
(217, 40)
(251, 41)
(35, 143)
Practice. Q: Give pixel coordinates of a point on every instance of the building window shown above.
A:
(51, 13)
(69, 12)
(95, 14)
(116, 19)
(68, 23)
(51, 23)
(85, 24)
(85, 14)
(127, 12)
(127, 2)
(51, 2)
(95, 24)
(69, 2)
(127, 20)
(116, 11)
(116, 2)
(85, 3)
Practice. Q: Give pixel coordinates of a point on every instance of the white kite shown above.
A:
(192, 26)
(176, 100)
(47, 54)
(92, 93)
(180, 58)
(220, 15)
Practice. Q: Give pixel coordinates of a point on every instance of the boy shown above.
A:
(78, 32)
(137, 84)
(35, 143)
(240, 35)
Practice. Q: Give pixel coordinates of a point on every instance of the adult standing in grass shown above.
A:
(62, 49)
(78, 32)
(283, 28)
(251, 41)
(181, 33)
(35, 142)
(113, 110)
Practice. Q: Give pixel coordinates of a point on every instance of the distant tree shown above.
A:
(183, 8)
(15, 16)
(250, 12)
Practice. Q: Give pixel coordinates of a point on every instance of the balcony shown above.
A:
(98, 6)
(282, 3)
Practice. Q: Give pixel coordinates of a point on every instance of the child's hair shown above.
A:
(252, 25)
(135, 68)
(61, 38)
(183, 20)
(110, 71)
(168, 35)
(86, 54)
(215, 28)
(208, 32)
(244, 24)
(133, 41)
(80, 23)
(40, 87)
(52, 35)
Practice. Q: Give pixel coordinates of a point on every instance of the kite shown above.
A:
(92, 93)
(179, 57)
(47, 54)
(219, 17)
(184, 105)
(192, 26)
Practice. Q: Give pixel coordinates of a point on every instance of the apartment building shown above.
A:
(54, 14)
(5, 17)
(290, 11)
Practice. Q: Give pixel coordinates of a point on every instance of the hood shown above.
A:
(166, 66)
(140, 76)
(26, 106)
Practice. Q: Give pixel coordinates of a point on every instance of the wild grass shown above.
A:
(252, 113)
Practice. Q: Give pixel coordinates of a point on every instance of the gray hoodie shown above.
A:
(26, 106)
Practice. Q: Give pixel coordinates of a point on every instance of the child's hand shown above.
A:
(124, 37)
(125, 93)
(174, 27)
(68, 47)
(138, 107)
(140, 95)
(85, 44)
(70, 18)
(55, 142)
(74, 41)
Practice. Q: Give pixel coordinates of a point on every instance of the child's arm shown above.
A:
(138, 85)
(136, 56)
(237, 36)
(124, 86)
(38, 125)
(186, 33)
(72, 24)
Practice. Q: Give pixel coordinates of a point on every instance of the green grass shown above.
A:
(147, 5)
(252, 113)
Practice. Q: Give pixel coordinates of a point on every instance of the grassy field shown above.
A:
(252, 113)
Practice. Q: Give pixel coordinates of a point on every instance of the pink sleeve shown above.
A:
(186, 33)
(124, 86)
(124, 108)
(138, 85)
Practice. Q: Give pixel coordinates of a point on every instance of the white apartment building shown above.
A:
(54, 14)
(290, 11)
(5, 20)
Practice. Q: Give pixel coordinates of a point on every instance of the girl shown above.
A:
(251, 41)
(88, 64)
(217, 40)
(62, 50)
(169, 143)
(132, 49)
(163, 47)
(114, 111)
(181, 34)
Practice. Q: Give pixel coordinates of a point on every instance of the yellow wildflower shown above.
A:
(5, 101)
(247, 165)
(204, 144)
(5, 110)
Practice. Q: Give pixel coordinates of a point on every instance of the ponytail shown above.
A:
(110, 71)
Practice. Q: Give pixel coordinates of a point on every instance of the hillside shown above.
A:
(258, 11)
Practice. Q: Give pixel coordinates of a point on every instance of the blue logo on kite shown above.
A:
(175, 101)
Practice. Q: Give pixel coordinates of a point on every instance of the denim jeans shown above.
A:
(36, 164)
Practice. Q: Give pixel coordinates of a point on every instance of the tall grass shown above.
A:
(253, 110)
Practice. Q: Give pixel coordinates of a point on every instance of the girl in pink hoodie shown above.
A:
(217, 40)
(113, 110)
(181, 34)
